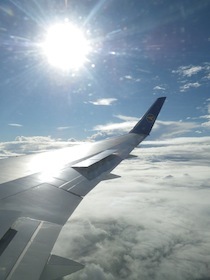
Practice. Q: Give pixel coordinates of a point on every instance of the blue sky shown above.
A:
(139, 51)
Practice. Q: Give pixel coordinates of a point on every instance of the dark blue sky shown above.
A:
(140, 50)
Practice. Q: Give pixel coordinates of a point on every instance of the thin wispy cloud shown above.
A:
(117, 127)
(125, 126)
(15, 124)
(188, 86)
(63, 127)
(27, 145)
(206, 124)
(207, 76)
(169, 129)
(129, 78)
(34, 139)
(127, 118)
(162, 129)
(159, 88)
(192, 76)
(188, 71)
(103, 101)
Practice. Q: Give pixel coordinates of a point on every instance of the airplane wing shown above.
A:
(39, 192)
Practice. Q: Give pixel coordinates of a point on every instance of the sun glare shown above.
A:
(66, 46)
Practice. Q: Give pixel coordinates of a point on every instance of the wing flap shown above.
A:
(32, 243)
(7, 218)
(94, 159)
(58, 267)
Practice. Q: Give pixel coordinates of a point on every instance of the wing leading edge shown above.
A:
(34, 207)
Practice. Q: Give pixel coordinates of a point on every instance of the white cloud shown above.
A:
(126, 118)
(152, 223)
(26, 145)
(207, 76)
(15, 124)
(104, 101)
(188, 71)
(114, 127)
(128, 77)
(189, 85)
(63, 127)
(99, 135)
(178, 141)
(191, 70)
(168, 129)
(162, 129)
(193, 76)
(206, 124)
(159, 88)
(32, 139)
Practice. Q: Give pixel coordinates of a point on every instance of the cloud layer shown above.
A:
(153, 223)
(162, 129)
(26, 145)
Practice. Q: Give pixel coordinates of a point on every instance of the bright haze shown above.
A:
(75, 70)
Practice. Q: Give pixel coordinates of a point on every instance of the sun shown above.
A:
(65, 46)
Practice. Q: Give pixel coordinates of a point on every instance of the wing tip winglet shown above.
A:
(144, 126)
